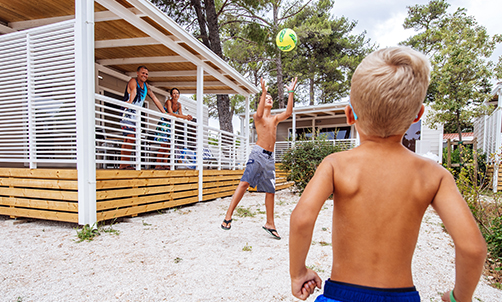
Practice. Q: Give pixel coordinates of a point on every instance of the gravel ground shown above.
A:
(183, 255)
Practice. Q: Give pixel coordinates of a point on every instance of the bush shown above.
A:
(303, 160)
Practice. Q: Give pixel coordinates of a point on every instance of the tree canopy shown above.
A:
(459, 49)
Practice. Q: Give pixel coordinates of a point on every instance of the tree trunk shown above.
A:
(311, 91)
(280, 80)
(278, 61)
(202, 22)
(223, 102)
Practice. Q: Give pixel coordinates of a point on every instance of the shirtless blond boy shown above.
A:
(260, 168)
(381, 191)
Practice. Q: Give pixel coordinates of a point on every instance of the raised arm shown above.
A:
(261, 104)
(131, 89)
(303, 218)
(470, 246)
(289, 108)
(154, 98)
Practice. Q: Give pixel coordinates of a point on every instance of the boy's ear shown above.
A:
(419, 115)
(350, 115)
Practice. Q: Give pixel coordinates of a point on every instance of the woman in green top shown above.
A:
(172, 107)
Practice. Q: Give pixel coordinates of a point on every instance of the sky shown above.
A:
(383, 21)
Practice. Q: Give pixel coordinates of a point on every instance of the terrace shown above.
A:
(64, 64)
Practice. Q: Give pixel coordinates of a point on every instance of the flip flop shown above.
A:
(271, 232)
(226, 228)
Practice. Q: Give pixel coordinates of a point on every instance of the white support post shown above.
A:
(84, 78)
(293, 130)
(200, 127)
(246, 129)
(31, 115)
(498, 141)
(313, 128)
(220, 149)
(137, 140)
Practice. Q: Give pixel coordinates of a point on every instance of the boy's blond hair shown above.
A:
(388, 89)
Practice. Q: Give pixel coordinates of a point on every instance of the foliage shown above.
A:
(328, 53)
(303, 159)
(466, 154)
(88, 233)
(247, 248)
(252, 26)
(487, 211)
(458, 48)
(243, 212)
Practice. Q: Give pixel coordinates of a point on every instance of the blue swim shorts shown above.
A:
(260, 170)
(345, 292)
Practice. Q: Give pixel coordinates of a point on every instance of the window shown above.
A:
(340, 132)
(412, 135)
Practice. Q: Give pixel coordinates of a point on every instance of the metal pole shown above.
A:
(200, 128)
(84, 78)
(246, 128)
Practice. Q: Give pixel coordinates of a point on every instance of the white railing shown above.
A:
(171, 145)
(282, 146)
(37, 96)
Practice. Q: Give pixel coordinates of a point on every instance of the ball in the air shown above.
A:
(286, 39)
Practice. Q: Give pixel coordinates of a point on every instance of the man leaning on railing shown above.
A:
(135, 93)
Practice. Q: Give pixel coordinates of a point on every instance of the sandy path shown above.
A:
(183, 255)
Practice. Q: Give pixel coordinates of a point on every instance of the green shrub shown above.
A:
(303, 160)
(494, 238)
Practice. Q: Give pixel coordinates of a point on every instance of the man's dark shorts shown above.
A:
(260, 170)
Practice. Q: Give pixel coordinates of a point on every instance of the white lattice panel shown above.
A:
(37, 103)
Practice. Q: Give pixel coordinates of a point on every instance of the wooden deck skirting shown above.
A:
(51, 194)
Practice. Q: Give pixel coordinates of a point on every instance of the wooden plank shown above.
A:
(39, 214)
(39, 173)
(219, 178)
(109, 194)
(106, 215)
(217, 195)
(42, 194)
(222, 172)
(40, 183)
(133, 201)
(142, 182)
(218, 190)
(122, 174)
(39, 204)
(284, 186)
(220, 184)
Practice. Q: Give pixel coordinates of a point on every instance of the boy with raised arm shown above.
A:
(381, 191)
(260, 168)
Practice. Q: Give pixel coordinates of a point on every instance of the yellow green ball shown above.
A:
(286, 39)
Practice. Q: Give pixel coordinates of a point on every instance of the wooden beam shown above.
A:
(207, 91)
(168, 74)
(6, 29)
(48, 215)
(102, 16)
(39, 183)
(107, 215)
(125, 43)
(186, 84)
(134, 201)
(143, 60)
(39, 173)
(39, 204)
(110, 194)
(127, 183)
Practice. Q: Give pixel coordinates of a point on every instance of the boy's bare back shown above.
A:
(381, 192)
